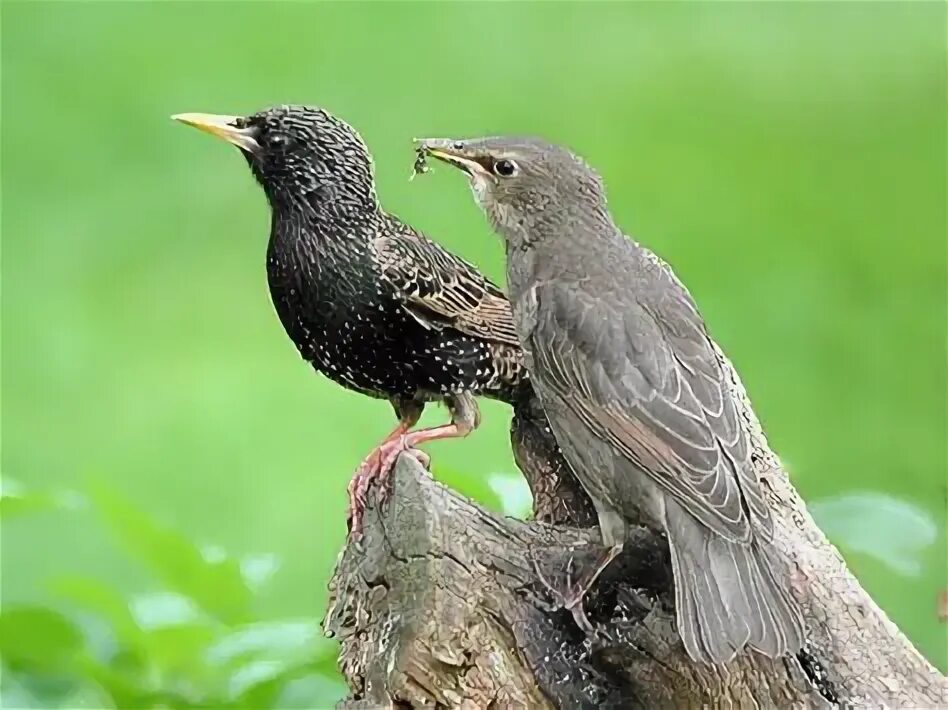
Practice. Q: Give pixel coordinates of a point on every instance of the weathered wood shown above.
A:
(440, 605)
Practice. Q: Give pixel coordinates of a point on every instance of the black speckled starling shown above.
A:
(370, 302)
(638, 400)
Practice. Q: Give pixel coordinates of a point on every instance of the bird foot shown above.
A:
(566, 592)
(377, 466)
(568, 578)
(389, 458)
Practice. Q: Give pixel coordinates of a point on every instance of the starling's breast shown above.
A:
(348, 323)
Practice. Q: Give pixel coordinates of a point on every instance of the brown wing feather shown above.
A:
(441, 290)
(651, 386)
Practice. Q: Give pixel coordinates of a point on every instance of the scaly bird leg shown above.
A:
(464, 419)
(569, 593)
(371, 466)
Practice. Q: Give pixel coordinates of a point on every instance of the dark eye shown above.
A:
(505, 168)
(275, 139)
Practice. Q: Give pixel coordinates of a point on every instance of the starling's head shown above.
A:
(523, 184)
(299, 154)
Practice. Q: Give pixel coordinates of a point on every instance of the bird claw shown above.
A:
(569, 592)
(421, 457)
(358, 489)
(384, 491)
(566, 595)
(377, 466)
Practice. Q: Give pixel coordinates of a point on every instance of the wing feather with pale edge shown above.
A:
(441, 290)
(649, 384)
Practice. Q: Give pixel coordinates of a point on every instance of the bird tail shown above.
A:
(727, 594)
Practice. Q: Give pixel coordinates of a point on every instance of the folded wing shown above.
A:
(441, 290)
(646, 380)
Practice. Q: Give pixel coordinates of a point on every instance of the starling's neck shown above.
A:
(553, 243)
(330, 212)
(550, 225)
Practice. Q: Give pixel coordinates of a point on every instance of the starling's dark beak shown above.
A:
(452, 152)
(223, 127)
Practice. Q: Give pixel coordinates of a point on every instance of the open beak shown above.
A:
(452, 152)
(223, 127)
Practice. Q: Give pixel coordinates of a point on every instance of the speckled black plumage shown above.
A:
(370, 302)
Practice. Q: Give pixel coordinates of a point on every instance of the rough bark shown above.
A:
(440, 605)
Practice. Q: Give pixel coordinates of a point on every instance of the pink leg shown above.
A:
(379, 464)
(381, 467)
(367, 471)
(411, 441)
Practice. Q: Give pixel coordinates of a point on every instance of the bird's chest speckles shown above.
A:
(346, 320)
(322, 301)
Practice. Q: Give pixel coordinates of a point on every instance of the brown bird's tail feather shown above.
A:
(727, 594)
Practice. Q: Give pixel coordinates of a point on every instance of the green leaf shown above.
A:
(258, 569)
(177, 649)
(39, 637)
(16, 501)
(13, 506)
(17, 694)
(258, 684)
(291, 639)
(326, 662)
(272, 684)
(135, 690)
(125, 689)
(47, 688)
(153, 610)
(100, 599)
(314, 690)
(269, 657)
(217, 586)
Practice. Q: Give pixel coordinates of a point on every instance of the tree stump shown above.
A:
(440, 605)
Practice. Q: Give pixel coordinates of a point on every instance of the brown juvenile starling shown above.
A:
(623, 365)
(370, 302)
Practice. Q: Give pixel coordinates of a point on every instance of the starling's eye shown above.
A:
(505, 168)
(278, 140)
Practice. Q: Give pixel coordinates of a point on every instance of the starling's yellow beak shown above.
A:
(223, 127)
(452, 152)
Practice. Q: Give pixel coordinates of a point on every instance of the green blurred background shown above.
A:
(787, 159)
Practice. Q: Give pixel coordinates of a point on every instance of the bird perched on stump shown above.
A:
(370, 302)
(624, 366)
